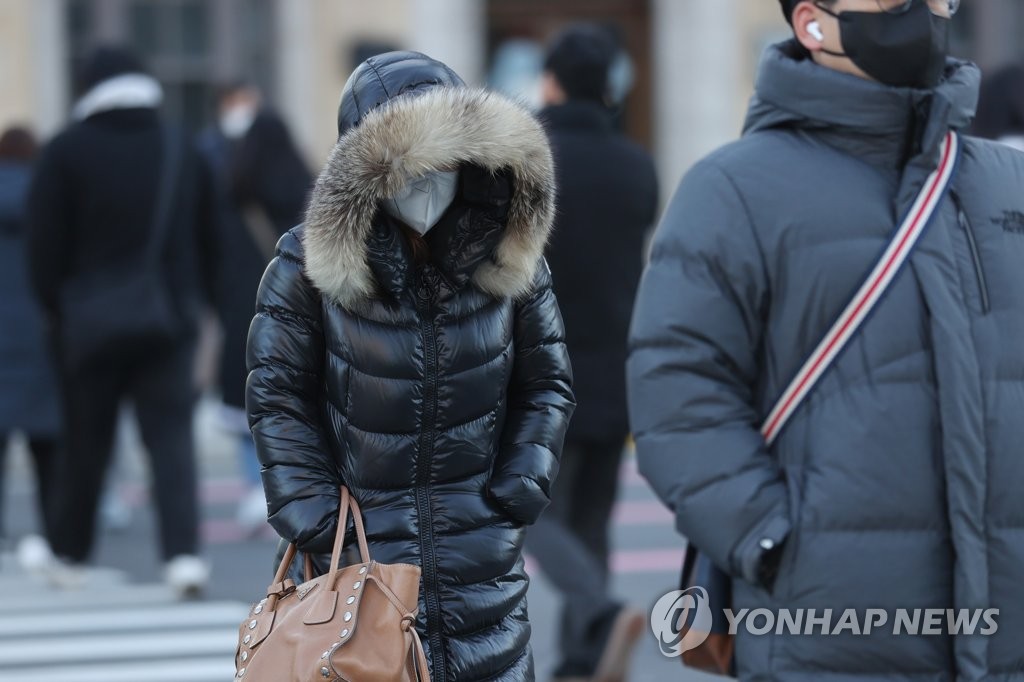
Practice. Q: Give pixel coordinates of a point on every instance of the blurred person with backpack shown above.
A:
(29, 399)
(607, 197)
(122, 249)
(262, 185)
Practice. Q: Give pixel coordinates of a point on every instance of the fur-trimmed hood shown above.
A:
(412, 135)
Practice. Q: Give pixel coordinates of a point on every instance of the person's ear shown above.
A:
(806, 26)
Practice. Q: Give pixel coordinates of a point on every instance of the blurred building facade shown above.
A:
(692, 61)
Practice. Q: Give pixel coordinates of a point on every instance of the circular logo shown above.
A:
(681, 620)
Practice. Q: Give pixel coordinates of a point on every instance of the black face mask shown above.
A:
(903, 50)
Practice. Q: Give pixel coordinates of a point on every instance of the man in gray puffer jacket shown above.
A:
(898, 483)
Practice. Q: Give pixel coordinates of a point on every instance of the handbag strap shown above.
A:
(280, 586)
(170, 162)
(870, 292)
(347, 503)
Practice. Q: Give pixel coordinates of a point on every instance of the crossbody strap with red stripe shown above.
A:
(870, 292)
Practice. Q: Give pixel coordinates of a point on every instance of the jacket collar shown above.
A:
(884, 125)
(353, 253)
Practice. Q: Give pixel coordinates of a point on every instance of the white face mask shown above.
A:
(422, 202)
(236, 121)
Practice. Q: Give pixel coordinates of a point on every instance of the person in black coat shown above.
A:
(607, 200)
(29, 400)
(262, 187)
(408, 344)
(92, 216)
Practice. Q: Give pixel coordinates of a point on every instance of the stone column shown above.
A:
(49, 65)
(296, 95)
(697, 52)
(452, 31)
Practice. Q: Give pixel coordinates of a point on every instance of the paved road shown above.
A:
(145, 635)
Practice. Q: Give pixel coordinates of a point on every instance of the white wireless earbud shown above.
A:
(815, 30)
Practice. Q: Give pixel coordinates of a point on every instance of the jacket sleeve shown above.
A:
(49, 230)
(693, 364)
(284, 400)
(540, 403)
(208, 230)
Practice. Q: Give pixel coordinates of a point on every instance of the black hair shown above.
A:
(789, 5)
(104, 62)
(17, 144)
(580, 57)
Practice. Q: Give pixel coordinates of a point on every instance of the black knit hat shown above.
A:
(105, 63)
(580, 58)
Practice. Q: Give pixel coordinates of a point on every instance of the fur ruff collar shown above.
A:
(410, 136)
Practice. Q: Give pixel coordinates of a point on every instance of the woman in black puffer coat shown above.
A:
(428, 374)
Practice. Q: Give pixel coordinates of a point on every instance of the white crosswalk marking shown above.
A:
(113, 631)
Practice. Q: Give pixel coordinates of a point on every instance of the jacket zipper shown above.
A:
(972, 244)
(426, 525)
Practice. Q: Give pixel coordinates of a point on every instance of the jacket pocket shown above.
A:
(972, 245)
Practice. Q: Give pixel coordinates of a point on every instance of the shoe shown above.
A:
(187, 575)
(252, 511)
(626, 630)
(66, 575)
(33, 554)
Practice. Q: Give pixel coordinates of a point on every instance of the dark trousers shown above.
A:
(570, 542)
(43, 451)
(158, 381)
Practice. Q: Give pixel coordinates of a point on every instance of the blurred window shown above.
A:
(191, 46)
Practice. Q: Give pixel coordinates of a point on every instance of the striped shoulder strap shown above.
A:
(870, 293)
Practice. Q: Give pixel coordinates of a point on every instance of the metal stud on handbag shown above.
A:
(716, 654)
(353, 623)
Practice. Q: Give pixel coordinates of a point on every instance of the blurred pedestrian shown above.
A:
(896, 484)
(29, 400)
(263, 184)
(1001, 107)
(607, 200)
(122, 253)
(408, 344)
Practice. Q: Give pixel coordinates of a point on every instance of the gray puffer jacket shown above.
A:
(898, 484)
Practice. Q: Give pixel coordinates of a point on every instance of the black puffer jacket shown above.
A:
(439, 393)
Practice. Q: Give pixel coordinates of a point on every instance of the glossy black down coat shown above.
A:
(440, 393)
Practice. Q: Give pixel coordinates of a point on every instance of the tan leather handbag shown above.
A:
(356, 623)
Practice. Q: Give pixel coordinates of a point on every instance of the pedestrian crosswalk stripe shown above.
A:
(113, 632)
(216, 669)
(196, 641)
(37, 598)
(124, 620)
